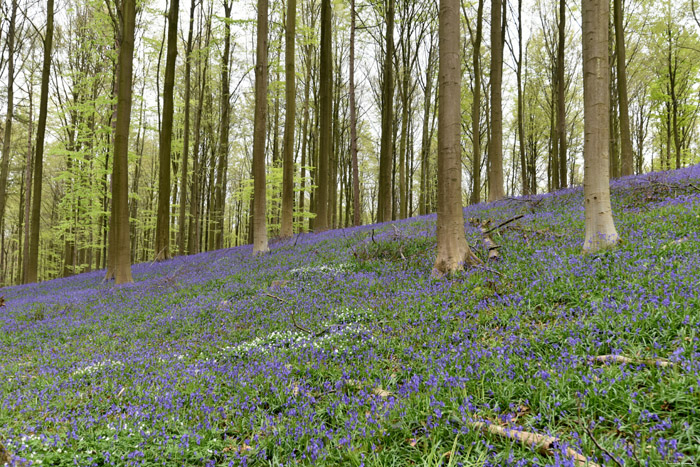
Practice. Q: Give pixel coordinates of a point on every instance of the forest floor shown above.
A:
(340, 349)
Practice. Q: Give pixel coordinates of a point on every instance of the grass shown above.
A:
(358, 357)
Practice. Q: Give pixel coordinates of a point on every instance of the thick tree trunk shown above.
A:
(496, 141)
(452, 249)
(600, 227)
(119, 248)
(162, 240)
(32, 266)
(385, 202)
(627, 166)
(287, 226)
(326, 117)
(259, 136)
(356, 214)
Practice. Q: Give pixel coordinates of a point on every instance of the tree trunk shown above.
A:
(28, 184)
(384, 208)
(119, 248)
(627, 166)
(32, 267)
(259, 136)
(5, 163)
(356, 214)
(162, 240)
(496, 141)
(326, 117)
(476, 107)
(452, 249)
(287, 225)
(600, 229)
(182, 230)
(220, 185)
(561, 96)
(521, 106)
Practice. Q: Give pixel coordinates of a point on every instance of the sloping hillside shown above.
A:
(339, 349)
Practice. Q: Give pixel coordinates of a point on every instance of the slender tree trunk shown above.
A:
(627, 152)
(385, 202)
(600, 227)
(220, 185)
(32, 267)
(476, 107)
(162, 240)
(259, 136)
(5, 163)
(356, 214)
(287, 226)
(521, 104)
(452, 249)
(326, 117)
(424, 201)
(496, 141)
(28, 172)
(183, 231)
(561, 96)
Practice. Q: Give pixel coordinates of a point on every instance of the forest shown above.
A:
(349, 233)
(351, 116)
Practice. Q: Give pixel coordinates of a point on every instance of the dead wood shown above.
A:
(544, 444)
(662, 362)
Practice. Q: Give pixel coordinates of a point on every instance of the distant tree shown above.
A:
(453, 252)
(356, 215)
(476, 104)
(384, 200)
(286, 229)
(600, 229)
(162, 244)
(33, 264)
(119, 258)
(259, 134)
(561, 137)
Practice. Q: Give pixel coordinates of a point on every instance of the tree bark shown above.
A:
(32, 266)
(287, 225)
(453, 252)
(356, 214)
(600, 229)
(119, 248)
(220, 184)
(259, 136)
(182, 224)
(385, 202)
(627, 166)
(476, 107)
(5, 163)
(496, 141)
(326, 117)
(561, 96)
(162, 240)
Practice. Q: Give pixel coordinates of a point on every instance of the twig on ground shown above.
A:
(601, 448)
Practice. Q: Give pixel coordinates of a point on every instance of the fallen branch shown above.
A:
(662, 362)
(542, 443)
(488, 242)
(503, 224)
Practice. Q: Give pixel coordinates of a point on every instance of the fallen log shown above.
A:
(542, 443)
(662, 362)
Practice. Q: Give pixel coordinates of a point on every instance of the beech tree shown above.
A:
(600, 229)
(33, 264)
(453, 252)
(385, 200)
(259, 134)
(119, 258)
(325, 117)
(495, 171)
(162, 244)
(286, 229)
